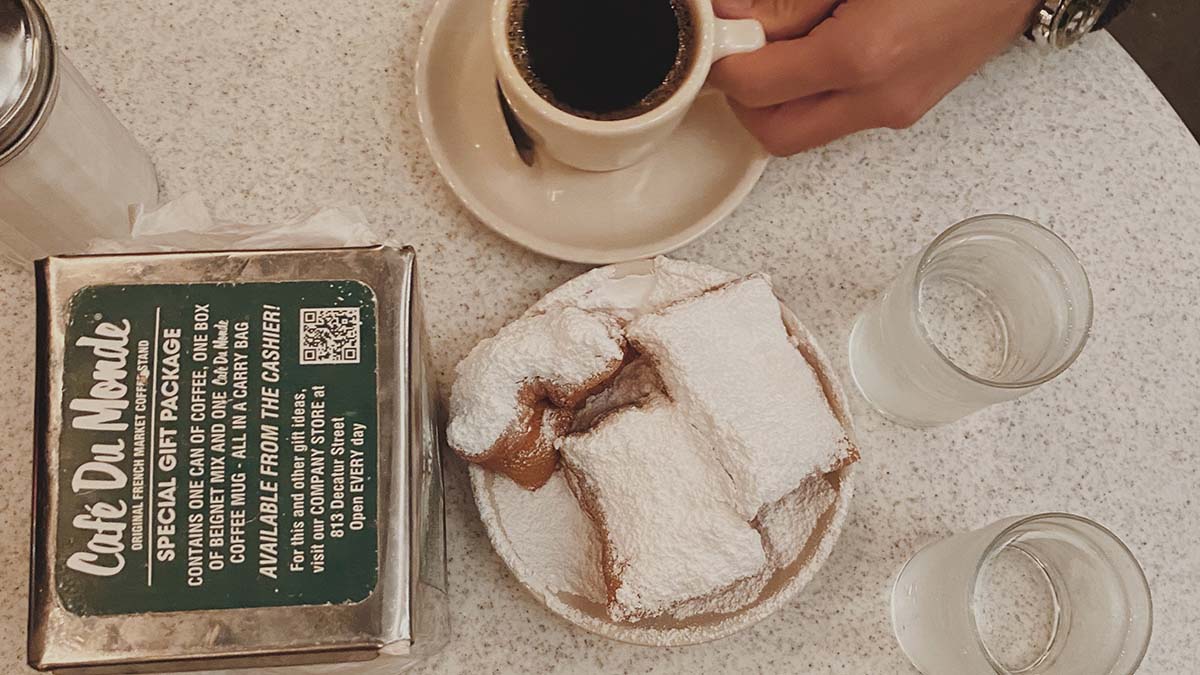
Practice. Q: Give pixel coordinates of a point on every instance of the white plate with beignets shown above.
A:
(661, 453)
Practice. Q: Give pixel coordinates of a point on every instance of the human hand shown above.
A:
(836, 67)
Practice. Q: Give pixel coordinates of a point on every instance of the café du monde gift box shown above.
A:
(236, 463)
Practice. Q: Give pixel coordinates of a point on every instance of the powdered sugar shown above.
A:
(565, 347)
(626, 291)
(787, 524)
(667, 508)
(736, 597)
(726, 357)
(552, 536)
(538, 533)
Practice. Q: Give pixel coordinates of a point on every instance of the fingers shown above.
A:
(856, 47)
(805, 123)
(867, 64)
(782, 71)
(733, 9)
(781, 19)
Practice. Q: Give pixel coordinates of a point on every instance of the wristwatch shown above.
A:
(1058, 24)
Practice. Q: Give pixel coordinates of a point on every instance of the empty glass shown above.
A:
(1051, 593)
(994, 307)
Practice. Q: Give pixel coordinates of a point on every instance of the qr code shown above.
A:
(329, 335)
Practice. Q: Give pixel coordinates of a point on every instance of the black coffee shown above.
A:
(602, 59)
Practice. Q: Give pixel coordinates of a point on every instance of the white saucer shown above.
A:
(703, 172)
(527, 528)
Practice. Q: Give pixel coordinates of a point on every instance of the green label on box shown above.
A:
(218, 447)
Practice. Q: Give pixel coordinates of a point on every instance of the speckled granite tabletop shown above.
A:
(273, 109)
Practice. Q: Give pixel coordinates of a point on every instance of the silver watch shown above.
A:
(1058, 24)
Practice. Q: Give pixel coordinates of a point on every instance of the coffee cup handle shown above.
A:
(737, 36)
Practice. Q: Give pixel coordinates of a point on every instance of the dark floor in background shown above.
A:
(1164, 37)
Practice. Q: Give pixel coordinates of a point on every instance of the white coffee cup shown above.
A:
(605, 145)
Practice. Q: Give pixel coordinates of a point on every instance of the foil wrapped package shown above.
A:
(237, 464)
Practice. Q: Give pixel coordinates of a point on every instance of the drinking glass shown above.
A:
(1050, 593)
(69, 171)
(994, 307)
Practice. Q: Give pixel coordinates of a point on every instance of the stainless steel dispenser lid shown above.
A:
(27, 73)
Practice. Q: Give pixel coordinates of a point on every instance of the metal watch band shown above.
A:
(1058, 24)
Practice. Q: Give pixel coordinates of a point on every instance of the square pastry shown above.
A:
(726, 357)
(670, 532)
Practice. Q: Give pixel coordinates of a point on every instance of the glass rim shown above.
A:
(1005, 536)
(1022, 384)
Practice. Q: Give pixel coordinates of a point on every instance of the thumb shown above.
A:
(781, 19)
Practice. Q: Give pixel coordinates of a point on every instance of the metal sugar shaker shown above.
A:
(69, 171)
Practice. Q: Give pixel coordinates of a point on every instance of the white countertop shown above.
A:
(273, 109)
